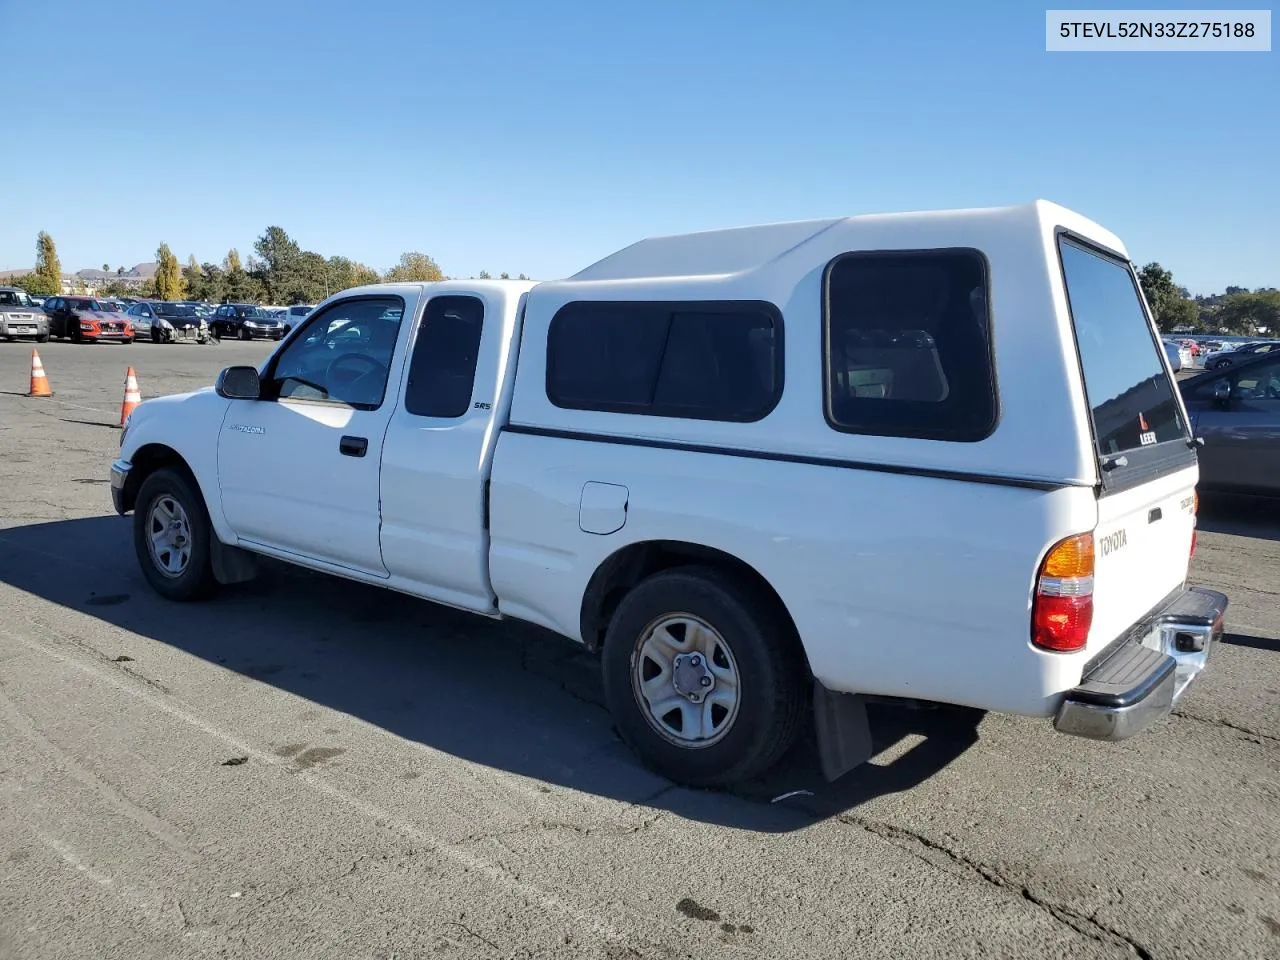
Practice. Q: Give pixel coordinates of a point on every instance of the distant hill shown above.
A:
(141, 271)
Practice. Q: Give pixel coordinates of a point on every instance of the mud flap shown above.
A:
(843, 730)
(231, 564)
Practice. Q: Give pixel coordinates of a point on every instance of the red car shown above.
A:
(86, 319)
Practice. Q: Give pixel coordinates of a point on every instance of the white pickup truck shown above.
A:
(768, 472)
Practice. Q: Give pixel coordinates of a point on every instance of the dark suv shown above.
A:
(244, 321)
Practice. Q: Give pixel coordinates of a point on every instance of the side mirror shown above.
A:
(238, 383)
(1222, 393)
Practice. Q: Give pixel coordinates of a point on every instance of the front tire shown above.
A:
(43, 339)
(704, 677)
(172, 536)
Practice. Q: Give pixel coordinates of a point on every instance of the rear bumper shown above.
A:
(1140, 680)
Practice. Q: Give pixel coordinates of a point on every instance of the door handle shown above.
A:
(353, 446)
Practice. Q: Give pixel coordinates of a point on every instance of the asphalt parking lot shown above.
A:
(305, 767)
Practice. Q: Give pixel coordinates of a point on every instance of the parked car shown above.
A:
(767, 473)
(1239, 352)
(244, 321)
(21, 317)
(168, 321)
(1236, 414)
(1175, 355)
(86, 319)
(294, 315)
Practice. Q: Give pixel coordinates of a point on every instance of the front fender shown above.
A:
(188, 425)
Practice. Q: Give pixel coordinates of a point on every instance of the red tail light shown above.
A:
(1062, 611)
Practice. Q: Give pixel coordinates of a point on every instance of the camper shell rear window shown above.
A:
(1130, 391)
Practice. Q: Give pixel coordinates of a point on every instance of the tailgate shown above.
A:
(1142, 550)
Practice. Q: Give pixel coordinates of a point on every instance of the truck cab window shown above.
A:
(442, 371)
(342, 356)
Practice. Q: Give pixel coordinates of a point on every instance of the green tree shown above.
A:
(524, 277)
(415, 267)
(1167, 300)
(168, 284)
(277, 264)
(193, 278)
(106, 268)
(485, 275)
(214, 283)
(1250, 313)
(48, 272)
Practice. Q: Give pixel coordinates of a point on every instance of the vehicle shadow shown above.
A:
(1256, 517)
(503, 694)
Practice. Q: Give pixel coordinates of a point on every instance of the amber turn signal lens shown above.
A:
(1072, 557)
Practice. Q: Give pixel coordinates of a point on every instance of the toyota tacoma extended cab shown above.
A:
(769, 473)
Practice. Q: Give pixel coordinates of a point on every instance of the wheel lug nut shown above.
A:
(705, 681)
(695, 660)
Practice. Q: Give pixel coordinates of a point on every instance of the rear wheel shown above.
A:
(704, 678)
(172, 536)
(43, 338)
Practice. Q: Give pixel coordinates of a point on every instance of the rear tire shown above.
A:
(172, 536)
(43, 339)
(753, 659)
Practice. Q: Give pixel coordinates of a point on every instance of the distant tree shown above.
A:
(485, 275)
(277, 263)
(106, 268)
(231, 262)
(523, 277)
(48, 273)
(1250, 313)
(119, 271)
(214, 283)
(1234, 290)
(168, 283)
(1167, 300)
(193, 278)
(415, 267)
(504, 276)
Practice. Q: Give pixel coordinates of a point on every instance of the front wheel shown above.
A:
(44, 338)
(704, 677)
(172, 536)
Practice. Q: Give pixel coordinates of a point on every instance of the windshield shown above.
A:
(253, 313)
(1127, 384)
(110, 307)
(14, 298)
(85, 305)
(175, 310)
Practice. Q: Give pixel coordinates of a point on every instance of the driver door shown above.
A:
(299, 468)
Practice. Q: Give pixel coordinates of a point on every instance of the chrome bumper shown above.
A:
(119, 476)
(1142, 679)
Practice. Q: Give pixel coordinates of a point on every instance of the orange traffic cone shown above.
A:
(132, 396)
(39, 382)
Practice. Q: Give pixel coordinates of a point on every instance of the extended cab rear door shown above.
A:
(1146, 498)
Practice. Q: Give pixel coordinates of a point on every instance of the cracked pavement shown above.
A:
(310, 768)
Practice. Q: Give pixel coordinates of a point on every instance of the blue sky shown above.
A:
(537, 137)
